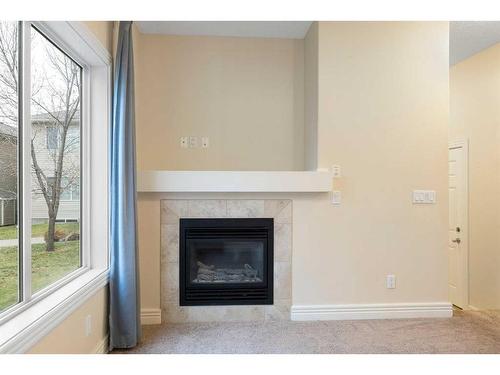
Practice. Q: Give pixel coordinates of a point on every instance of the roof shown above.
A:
(8, 130)
(37, 118)
(5, 194)
(45, 117)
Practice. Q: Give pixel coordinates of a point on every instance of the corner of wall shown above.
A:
(311, 83)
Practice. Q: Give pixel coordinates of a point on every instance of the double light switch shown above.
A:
(424, 197)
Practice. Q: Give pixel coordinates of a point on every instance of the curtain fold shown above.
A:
(124, 308)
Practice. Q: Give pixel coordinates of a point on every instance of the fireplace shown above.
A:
(226, 262)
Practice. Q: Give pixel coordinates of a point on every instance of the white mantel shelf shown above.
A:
(234, 181)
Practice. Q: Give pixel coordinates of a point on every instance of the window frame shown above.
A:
(75, 40)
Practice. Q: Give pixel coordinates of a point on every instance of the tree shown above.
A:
(8, 112)
(8, 108)
(55, 99)
(8, 73)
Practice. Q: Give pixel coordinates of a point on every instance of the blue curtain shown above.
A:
(124, 311)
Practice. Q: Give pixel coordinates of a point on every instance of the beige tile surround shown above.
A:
(173, 209)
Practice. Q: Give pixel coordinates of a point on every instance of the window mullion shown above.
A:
(26, 158)
(84, 196)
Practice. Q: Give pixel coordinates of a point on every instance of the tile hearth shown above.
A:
(173, 209)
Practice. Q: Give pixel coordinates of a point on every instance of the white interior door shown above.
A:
(457, 229)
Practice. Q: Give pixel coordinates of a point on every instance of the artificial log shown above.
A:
(208, 273)
(204, 266)
(205, 271)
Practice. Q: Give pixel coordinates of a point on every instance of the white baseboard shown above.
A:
(150, 316)
(102, 346)
(372, 311)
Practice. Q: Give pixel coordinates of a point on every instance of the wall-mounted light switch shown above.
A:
(205, 142)
(423, 197)
(184, 142)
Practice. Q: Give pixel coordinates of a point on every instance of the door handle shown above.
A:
(456, 240)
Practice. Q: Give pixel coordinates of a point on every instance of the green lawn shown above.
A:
(46, 267)
(37, 230)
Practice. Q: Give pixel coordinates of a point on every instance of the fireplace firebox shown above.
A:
(226, 262)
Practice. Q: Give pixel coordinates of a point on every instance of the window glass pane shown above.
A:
(65, 189)
(55, 157)
(9, 234)
(75, 192)
(52, 138)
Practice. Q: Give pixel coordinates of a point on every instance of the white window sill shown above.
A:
(20, 333)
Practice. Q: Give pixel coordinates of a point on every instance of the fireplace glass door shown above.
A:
(226, 261)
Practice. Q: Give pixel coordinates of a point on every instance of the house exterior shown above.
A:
(46, 136)
(8, 175)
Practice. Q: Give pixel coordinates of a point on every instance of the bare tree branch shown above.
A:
(55, 104)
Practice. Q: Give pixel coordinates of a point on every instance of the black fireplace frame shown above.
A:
(233, 293)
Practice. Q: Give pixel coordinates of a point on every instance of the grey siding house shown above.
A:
(46, 137)
(8, 174)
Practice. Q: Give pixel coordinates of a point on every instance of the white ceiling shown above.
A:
(466, 37)
(259, 29)
(469, 37)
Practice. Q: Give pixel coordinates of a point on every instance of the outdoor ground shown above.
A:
(46, 267)
(37, 230)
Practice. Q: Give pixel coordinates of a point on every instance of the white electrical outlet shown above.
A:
(336, 197)
(88, 325)
(336, 171)
(193, 142)
(391, 281)
(205, 142)
(184, 142)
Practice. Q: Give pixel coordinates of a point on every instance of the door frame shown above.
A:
(464, 274)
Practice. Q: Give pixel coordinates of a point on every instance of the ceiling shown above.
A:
(466, 37)
(258, 29)
(469, 37)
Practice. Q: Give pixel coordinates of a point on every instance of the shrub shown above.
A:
(58, 235)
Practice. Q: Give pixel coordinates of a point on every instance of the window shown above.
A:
(9, 170)
(70, 191)
(41, 169)
(39, 288)
(52, 138)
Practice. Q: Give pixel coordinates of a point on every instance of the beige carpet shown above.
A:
(466, 332)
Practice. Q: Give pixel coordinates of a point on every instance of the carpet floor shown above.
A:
(465, 332)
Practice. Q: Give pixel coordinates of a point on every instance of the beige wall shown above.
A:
(311, 98)
(383, 116)
(246, 94)
(70, 337)
(103, 30)
(475, 116)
